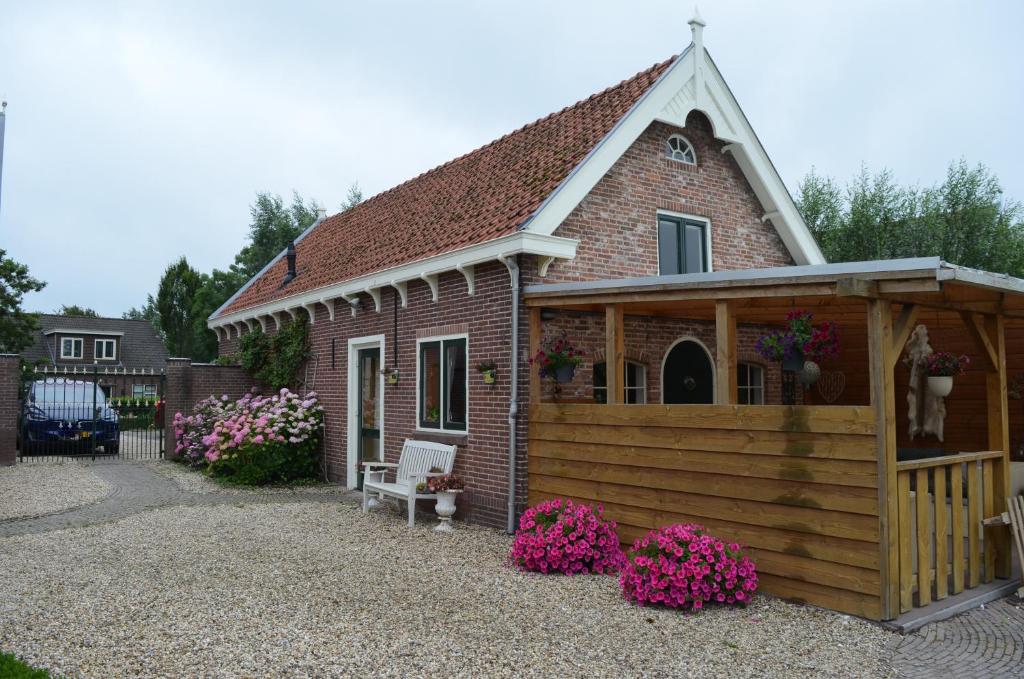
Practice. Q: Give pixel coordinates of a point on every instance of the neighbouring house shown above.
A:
(82, 344)
(648, 224)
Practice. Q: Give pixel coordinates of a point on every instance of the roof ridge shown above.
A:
(518, 130)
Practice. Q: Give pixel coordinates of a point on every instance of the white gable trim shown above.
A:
(670, 100)
(521, 243)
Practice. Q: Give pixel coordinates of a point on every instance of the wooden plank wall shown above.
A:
(799, 485)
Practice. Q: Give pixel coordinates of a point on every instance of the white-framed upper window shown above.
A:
(684, 244)
(634, 384)
(143, 391)
(71, 347)
(679, 148)
(105, 350)
(750, 384)
(442, 383)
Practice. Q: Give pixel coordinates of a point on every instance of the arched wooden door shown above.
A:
(688, 375)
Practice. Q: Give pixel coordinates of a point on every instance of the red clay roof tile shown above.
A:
(478, 197)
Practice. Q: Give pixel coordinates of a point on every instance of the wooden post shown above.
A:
(999, 439)
(725, 347)
(614, 352)
(883, 399)
(535, 333)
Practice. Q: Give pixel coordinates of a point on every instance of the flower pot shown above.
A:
(490, 376)
(445, 507)
(809, 373)
(941, 385)
(565, 373)
(392, 377)
(793, 363)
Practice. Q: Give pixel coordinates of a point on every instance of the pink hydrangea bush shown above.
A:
(254, 440)
(681, 566)
(560, 536)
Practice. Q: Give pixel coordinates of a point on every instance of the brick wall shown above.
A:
(616, 226)
(9, 385)
(189, 383)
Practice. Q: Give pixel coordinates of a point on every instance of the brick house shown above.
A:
(660, 174)
(78, 342)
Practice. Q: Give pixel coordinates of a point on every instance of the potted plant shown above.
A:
(801, 345)
(489, 370)
(558, 359)
(941, 367)
(390, 375)
(447, 488)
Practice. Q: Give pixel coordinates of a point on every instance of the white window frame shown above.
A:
(419, 394)
(75, 341)
(751, 389)
(148, 391)
(96, 353)
(640, 388)
(672, 152)
(708, 253)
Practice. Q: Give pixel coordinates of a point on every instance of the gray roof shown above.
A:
(141, 347)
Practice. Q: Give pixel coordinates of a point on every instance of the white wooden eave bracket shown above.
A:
(291, 312)
(311, 310)
(467, 272)
(543, 264)
(277, 319)
(248, 324)
(375, 294)
(431, 280)
(403, 291)
(238, 328)
(329, 305)
(263, 323)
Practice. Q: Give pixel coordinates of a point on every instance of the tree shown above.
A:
(16, 325)
(75, 310)
(215, 289)
(353, 197)
(148, 312)
(174, 300)
(965, 220)
(273, 226)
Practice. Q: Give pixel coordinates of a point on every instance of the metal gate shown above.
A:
(91, 412)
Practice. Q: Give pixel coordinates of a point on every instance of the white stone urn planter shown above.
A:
(941, 385)
(445, 507)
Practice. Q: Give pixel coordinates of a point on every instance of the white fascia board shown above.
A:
(669, 100)
(521, 243)
(74, 331)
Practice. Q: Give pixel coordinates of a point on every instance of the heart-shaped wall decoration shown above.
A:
(831, 385)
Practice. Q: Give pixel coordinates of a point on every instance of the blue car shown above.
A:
(61, 414)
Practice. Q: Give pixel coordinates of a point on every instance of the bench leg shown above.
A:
(366, 500)
(412, 512)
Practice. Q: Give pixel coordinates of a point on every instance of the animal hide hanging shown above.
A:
(926, 411)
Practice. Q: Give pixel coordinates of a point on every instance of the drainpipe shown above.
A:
(513, 380)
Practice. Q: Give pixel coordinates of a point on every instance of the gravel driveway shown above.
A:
(318, 589)
(46, 488)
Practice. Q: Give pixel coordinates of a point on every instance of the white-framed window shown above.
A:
(750, 382)
(634, 384)
(105, 350)
(143, 391)
(679, 148)
(71, 347)
(442, 385)
(683, 245)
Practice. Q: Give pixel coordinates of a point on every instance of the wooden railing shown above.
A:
(942, 502)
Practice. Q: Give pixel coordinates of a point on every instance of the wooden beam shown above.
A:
(994, 330)
(883, 399)
(856, 287)
(535, 332)
(902, 328)
(614, 352)
(725, 348)
(976, 329)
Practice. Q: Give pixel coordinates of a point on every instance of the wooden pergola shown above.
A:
(878, 305)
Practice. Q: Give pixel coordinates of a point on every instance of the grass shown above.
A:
(12, 668)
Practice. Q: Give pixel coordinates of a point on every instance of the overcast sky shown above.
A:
(138, 132)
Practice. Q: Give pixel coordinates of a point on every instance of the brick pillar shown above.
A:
(177, 398)
(9, 386)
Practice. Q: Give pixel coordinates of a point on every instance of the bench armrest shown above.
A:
(368, 465)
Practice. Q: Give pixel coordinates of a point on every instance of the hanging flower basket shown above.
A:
(801, 346)
(489, 371)
(390, 375)
(941, 367)
(558, 359)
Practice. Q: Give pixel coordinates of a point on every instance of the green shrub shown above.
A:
(12, 668)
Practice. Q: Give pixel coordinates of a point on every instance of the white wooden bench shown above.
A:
(418, 461)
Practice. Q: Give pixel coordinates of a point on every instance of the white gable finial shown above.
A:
(697, 28)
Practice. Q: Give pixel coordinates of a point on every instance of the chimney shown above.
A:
(291, 264)
(321, 214)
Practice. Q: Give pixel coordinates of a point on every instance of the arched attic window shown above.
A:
(678, 148)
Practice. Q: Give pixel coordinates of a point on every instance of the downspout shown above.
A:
(513, 405)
